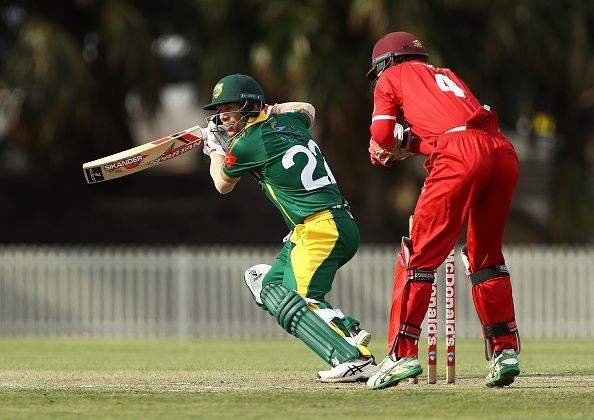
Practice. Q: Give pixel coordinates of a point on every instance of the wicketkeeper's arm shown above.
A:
(398, 150)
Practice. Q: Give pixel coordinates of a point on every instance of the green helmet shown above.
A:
(236, 88)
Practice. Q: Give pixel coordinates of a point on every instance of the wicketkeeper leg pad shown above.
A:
(294, 315)
(497, 330)
(410, 299)
(493, 301)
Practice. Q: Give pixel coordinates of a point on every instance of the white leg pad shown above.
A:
(253, 279)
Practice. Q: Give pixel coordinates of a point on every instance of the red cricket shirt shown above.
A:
(432, 100)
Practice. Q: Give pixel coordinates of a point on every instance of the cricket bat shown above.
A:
(142, 157)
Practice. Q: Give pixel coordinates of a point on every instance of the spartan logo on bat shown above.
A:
(170, 153)
(128, 163)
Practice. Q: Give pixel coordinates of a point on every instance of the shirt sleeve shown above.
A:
(385, 113)
(245, 155)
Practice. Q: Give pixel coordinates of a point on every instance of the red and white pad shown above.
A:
(410, 298)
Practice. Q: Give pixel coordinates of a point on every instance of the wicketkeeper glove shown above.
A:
(400, 151)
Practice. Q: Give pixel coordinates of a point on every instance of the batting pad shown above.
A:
(293, 314)
(253, 280)
(333, 316)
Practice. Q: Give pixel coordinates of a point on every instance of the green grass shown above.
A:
(165, 378)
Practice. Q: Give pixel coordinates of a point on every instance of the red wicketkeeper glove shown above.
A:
(400, 151)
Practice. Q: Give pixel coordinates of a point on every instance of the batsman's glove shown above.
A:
(400, 151)
(211, 144)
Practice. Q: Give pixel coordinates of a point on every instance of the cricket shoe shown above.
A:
(359, 369)
(391, 371)
(503, 369)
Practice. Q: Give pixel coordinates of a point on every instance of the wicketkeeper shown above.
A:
(273, 145)
(473, 170)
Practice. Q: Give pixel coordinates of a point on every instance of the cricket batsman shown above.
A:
(472, 172)
(273, 145)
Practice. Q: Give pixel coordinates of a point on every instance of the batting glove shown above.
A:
(211, 144)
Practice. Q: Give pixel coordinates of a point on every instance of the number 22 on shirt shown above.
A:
(307, 174)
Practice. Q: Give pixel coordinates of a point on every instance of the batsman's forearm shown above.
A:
(296, 106)
(216, 166)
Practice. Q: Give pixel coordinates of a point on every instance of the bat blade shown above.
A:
(141, 157)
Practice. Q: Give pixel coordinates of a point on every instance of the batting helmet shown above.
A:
(395, 44)
(237, 88)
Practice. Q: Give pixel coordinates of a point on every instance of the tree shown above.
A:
(75, 62)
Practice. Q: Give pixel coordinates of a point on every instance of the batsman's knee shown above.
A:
(253, 278)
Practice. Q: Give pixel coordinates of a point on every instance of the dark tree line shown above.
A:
(68, 66)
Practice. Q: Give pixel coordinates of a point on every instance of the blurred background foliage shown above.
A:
(75, 75)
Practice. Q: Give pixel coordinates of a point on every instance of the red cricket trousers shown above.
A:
(472, 176)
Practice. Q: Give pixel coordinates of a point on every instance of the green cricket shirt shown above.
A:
(287, 163)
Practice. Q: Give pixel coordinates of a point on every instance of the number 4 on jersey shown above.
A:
(448, 85)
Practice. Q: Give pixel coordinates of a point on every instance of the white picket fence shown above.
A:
(200, 291)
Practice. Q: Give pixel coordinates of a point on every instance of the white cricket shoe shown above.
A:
(503, 369)
(359, 369)
(391, 371)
